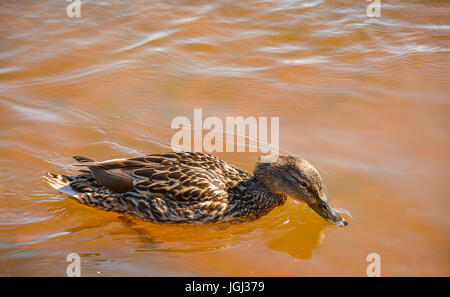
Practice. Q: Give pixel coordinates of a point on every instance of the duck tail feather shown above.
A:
(82, 159)
(60, 183)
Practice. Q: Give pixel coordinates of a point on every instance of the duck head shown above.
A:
(298, 179)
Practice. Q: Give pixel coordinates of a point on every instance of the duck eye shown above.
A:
(303, 184)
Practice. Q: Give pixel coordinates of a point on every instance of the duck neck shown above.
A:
(253, 199)
(263, 196)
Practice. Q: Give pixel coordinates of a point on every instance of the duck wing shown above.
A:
(180, 183)
(182, 177)
(227, 172)
(115, 175)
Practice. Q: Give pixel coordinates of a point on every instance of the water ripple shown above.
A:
(147, 39)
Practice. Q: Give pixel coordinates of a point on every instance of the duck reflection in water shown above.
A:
(300, 241)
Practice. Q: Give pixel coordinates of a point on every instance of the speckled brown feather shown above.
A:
(172, 188)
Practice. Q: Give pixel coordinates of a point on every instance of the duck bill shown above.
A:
(324, 210)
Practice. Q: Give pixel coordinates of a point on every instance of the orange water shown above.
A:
(365, 99)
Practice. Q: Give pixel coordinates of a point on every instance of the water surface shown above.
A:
(365, 99)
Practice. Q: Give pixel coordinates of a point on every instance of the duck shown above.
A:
(194, 187)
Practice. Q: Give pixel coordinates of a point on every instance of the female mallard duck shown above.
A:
(190, 188)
